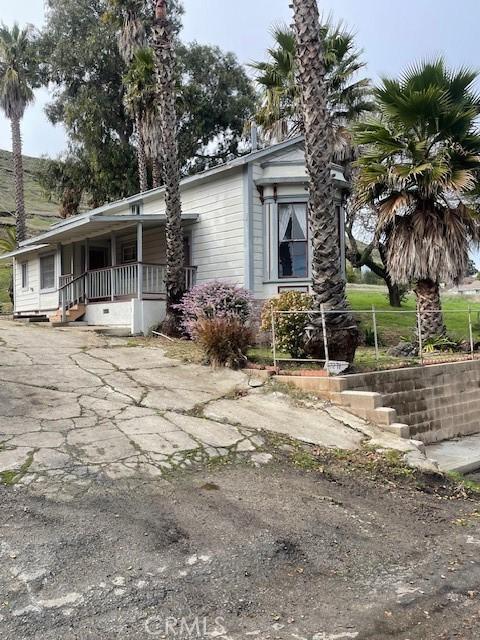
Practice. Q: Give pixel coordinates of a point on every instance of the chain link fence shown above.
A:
(388, 339)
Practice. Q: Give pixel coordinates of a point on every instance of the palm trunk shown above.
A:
(328, 282)
(157, 173)
(429, 307)
(18, 177)
(141, 155)
(165, 59)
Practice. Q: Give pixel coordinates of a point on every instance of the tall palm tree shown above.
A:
(140, 100)
(132, 35)
(280, 113)
(421, 161)
(18, 78)
(328, 283)
(163, 45)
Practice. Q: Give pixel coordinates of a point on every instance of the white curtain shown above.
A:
(300, 212)
(284, 218)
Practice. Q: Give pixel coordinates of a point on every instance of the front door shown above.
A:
(98, 258)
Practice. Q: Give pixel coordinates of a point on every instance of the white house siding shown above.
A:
(218, 248)
(259, 238)
(154, 244)
(32, 299)
(27, 299)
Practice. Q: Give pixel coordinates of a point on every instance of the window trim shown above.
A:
(305, 241)
(42, 257)
(125, 245)
(271, 243)
(24, 275)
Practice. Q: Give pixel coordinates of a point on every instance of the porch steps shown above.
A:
(73, 314)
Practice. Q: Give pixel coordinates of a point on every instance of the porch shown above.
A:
(125, 264)
(138, 280)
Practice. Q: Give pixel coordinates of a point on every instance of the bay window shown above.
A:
(292, 240)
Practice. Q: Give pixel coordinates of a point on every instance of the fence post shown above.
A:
(325, 339)
(375, 334)
(420, 344)
(274, 340)
(470, 331)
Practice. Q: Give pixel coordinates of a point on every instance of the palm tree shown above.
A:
(421, 158)
(132, 36)
(163, 44)
(140, 99)
(328, 283)
(18, 77)
(280, 113)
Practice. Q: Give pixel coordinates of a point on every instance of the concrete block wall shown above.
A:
(437, 402)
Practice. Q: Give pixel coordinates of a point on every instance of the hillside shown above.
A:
(40, 211)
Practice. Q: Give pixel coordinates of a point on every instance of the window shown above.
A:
(136, 209)
(292, 241)
(24, 275)
(47, 272)
(129, 252)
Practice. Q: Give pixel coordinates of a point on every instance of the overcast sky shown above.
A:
(393, 34)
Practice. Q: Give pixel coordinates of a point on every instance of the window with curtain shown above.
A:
(47, 272)
(292, 241)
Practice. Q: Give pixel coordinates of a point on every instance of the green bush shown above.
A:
(289, 329)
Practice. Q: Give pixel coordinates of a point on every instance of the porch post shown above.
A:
(72, 260)
(140, 260)
(113, 248)
(87, 268)
(58, 265)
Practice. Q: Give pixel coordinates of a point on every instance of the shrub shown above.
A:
(214, 300)
(289, 329)
(224, 341)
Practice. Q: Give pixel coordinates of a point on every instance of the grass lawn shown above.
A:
(392, 326)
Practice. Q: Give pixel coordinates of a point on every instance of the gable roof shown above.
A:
(153, 193)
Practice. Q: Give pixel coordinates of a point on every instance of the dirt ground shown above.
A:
(304, 547)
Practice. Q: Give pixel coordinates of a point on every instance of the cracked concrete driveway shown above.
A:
(77, 407)
(102, 536)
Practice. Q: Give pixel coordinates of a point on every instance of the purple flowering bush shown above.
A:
(214, 300)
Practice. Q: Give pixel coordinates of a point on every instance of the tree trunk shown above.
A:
(429, 307)
(328, 282)
(18, 177)
(141, 156)
(157, 174)
(394, 293)
(165, 67)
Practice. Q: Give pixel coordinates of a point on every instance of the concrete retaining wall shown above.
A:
(436, 401)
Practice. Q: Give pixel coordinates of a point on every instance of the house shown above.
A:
(468, 287)
(243, 222)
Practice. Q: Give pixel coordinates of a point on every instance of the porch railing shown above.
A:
(65, 279)
(72, 292)
(118, 282)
